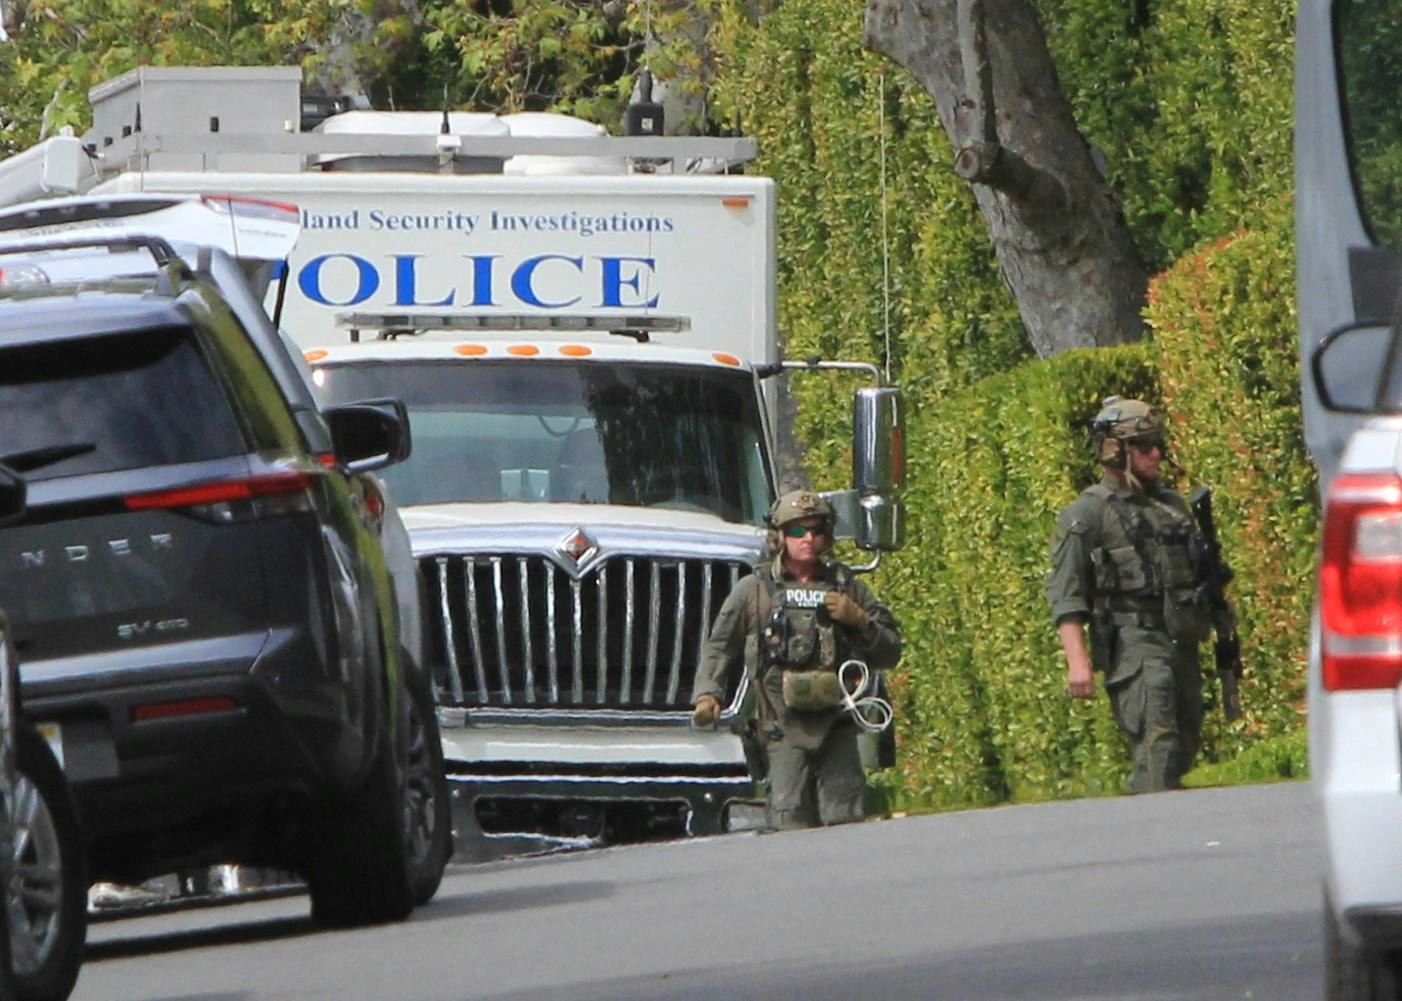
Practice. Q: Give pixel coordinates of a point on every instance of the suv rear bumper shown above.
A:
(1364, 864)
(190, 727)
(1356, 767)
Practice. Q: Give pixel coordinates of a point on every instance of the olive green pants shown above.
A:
(1160, 710)
(815, 774)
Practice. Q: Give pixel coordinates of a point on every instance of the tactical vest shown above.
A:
(1157, 581)
(796, 631)
(798, 636)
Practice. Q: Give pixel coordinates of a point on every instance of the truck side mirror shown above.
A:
(12, 496)
(1353, 367)
(370, 435)
(878, 440)
(872, 512)
(883, 523)
(873, 521)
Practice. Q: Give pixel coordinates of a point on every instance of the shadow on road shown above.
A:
(499, 901)
(463, 904)
(267, 930)
(1274, 958)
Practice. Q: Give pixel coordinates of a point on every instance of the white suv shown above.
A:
(1355, 718)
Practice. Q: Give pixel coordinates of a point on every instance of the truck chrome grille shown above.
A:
(517, 631)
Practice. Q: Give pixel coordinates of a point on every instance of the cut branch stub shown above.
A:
(1004, 171)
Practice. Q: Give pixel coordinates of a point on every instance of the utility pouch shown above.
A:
(1126, 572)
(811, 691)
(790, 643)
(1187, 615)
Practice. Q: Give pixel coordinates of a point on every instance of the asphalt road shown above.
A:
(1210, 894)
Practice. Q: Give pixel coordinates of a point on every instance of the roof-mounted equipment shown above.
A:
(391, 326)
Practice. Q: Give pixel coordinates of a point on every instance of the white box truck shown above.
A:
(583, 330)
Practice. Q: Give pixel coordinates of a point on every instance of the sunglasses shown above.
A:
(1147, 445)
(799, 531)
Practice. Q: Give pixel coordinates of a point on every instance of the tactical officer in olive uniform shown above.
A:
(1127, 559)
(793, 623)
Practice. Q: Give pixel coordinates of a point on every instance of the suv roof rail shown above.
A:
(170, 268)
(159, 249)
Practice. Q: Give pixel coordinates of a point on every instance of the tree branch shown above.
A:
(1003, 170)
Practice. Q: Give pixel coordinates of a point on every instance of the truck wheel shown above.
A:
(360, 872)
(1350, 974)
(430, 817)
(46, 903)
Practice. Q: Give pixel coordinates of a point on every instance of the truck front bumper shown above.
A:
(565, 773)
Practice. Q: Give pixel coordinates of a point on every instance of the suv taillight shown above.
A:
(270, 493)
(1360, 582)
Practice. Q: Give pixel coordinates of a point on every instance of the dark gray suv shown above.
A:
(198, 594)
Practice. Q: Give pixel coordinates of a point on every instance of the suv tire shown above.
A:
(48, 927)
(430, 815)
(361, 873)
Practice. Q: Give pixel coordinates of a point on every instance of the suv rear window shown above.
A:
(123, 402)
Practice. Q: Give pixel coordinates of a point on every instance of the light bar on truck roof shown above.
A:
(392, 325)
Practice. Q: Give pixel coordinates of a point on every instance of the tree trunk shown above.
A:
(1055, 224)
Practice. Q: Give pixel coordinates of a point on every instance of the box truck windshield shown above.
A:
(644, 435)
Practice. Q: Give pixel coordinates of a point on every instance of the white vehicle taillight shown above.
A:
(1360, 582)
(254, 208)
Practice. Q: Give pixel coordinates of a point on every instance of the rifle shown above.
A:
(1216, 575)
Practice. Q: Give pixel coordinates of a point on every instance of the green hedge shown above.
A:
(984, 714)
(1224, 326)
(1190, 103)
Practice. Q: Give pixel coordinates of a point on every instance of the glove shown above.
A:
(706, 712)
(846, 611)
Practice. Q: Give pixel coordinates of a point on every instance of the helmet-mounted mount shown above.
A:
(797, 504)
(1121, 421)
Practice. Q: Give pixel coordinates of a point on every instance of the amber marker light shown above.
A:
(316, 355)
(524, 350)
(735, 202)
(576, 350)
(726, 359)
(471, 350)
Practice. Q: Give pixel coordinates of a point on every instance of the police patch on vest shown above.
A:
(804, 597)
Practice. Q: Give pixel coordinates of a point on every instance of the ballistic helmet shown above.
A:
(1121, 421)
(798, 504)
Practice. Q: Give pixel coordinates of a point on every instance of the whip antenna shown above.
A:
(885, 231)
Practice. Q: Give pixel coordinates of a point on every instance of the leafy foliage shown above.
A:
(827, 114)
(1189, 101)
(60, 48)
(565, 56)
(1224, 323)
(984, 714)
